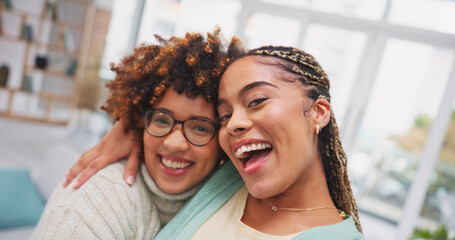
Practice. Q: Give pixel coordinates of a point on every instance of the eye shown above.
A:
(257, 101)
(224, 118)
(200, 129)
(161, 121)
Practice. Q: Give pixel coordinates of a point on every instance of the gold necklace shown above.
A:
(275, 208)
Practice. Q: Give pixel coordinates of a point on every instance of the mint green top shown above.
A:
(218, 189)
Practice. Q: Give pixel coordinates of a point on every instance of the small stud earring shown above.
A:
(222, 161)
(317, 129)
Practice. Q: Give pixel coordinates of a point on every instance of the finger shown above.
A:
(73, 172)
(132, 164)
(91, 169)
(67, 180)
(78, 167)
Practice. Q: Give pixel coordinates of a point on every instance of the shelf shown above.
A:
(39, 115)
(35, 119)
(11, 38)
(41, 17)
(64, 40)
(51, 73)
(85, 2)
(52, 47)
(21, 13)
(66, 24)
(42, 95)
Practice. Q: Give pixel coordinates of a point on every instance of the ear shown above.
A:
(321, 112)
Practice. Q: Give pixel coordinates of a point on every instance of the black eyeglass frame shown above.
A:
(216, 125)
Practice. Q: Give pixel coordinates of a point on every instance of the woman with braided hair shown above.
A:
(165, 96)
(287, 178)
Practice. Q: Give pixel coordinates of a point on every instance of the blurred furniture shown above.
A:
(45, 43)
(46, 159)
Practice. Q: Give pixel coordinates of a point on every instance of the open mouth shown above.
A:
(252, 155)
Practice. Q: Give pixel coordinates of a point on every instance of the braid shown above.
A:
(306, 65)
(334, 159)
(335, 165)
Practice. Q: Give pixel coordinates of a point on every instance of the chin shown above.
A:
(261, 191)
(173, 191)
(171, 188)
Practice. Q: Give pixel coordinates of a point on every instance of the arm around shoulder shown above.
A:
(103, 208)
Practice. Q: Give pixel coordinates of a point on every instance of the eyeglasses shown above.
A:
(198, 131)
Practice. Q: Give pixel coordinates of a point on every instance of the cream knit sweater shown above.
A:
(105, 207)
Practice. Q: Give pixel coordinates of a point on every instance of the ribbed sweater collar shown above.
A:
(167, 204)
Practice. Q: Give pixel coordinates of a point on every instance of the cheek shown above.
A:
(224, 140)
(150, 143)
(273, 115)
(145, 139)
(286, 124)
(276, 119)
(209, 154)
(212, 150)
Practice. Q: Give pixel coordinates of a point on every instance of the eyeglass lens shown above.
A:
(196, 131)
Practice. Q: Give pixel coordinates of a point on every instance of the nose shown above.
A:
(238, 123)
(175, 141)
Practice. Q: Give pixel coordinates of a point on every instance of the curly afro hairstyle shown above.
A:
(192, 65)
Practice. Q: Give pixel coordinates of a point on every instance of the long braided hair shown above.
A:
(304, 68)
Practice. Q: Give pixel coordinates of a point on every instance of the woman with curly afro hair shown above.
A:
(164, 95)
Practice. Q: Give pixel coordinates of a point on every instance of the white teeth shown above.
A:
(242, 151)
(176, 165)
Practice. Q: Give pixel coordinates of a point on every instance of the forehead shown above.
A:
(257, 68)
(247, 69)
(183, 106)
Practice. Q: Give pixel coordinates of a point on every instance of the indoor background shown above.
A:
(391, 64)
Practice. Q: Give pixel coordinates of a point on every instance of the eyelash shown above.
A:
(257, 101)
(252, 103)
(224, 118)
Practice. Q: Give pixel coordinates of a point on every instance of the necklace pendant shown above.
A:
(342, 214)
(274, 208)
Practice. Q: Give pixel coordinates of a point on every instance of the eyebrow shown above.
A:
(247, 88)
(191, 117)
(165, 110)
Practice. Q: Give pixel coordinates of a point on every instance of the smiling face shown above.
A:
(264, 129)
(175, 164)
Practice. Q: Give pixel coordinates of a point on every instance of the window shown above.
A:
(266, 29)
(118, 39)
(372, 9)
(439, 206)
(436, 15)
(170, 17)
(339, 52)
(405, 99)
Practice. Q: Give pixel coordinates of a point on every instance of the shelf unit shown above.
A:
(56, 31)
